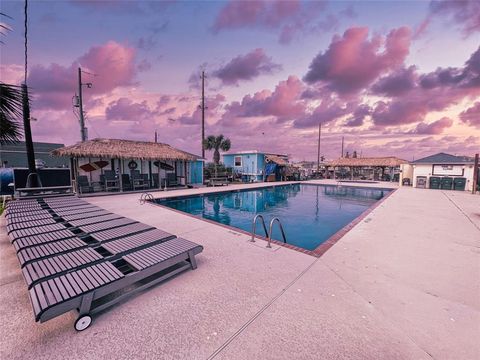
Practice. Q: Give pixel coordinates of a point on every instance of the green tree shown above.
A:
(10, 112)
(217, 143)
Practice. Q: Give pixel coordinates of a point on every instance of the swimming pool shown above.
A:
(310, 214)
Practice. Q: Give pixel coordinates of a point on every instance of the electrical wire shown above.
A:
(26, 40)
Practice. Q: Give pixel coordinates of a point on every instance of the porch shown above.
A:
(116, 166)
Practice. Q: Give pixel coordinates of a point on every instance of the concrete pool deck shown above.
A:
(402, 284)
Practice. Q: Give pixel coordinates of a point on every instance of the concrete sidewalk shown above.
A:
(402, 284)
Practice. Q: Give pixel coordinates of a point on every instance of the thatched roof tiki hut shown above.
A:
(125, 165)
(368, 166)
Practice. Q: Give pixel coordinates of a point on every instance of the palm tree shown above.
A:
(217, 143)
(10, 111)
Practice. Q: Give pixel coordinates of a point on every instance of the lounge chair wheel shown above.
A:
(83, 322)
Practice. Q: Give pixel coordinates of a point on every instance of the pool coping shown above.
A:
(319, 250)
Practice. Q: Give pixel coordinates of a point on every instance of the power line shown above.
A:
(25, 12)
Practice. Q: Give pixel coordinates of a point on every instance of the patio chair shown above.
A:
(83, 185)
(111, 180)
(126, 183)
(171, 179)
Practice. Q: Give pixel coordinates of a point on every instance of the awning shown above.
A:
(276, 159)
(97, 165)
(164, 166)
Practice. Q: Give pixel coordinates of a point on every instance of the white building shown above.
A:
(439, 171)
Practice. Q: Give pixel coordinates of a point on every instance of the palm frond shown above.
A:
(10, 112)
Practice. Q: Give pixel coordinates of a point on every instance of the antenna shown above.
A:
(342, 145)
(318, 155)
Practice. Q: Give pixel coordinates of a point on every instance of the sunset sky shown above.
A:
(393, 78)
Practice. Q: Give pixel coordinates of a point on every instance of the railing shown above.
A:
(270, 232)
(254, 223)
(146, 197)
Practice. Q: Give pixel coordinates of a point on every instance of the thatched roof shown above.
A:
(390, 161)
(124, 149)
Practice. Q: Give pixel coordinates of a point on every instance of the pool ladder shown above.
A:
(146, 196)
(267, 233)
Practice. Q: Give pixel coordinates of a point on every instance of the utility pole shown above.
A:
(318, 154)
(203, 107)
(156, 136)
(83, 130)
(33, 180)
(342, 145)
(475, 174)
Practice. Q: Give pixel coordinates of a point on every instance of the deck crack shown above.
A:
(260, 312)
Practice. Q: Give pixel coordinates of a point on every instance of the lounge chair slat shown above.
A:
(63, 291)
(94, 220)
(85, 215)
(55, 291)
(49, 249)
(106, 225)
(120, 232)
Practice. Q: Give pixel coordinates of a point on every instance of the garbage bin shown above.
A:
(459, 183)
(446, 183)
(434, 182)
(421, 182)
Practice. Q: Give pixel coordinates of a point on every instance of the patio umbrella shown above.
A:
(97, 165)
(163, 165)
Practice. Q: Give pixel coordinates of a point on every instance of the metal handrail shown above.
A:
(269, 237)
(254, 223)
(146, 196)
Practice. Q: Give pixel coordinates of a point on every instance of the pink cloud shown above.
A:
(434, 128)
(471, 116)
(126, 109)
(396, 83)
(246, 67)
(467, 77)
(435, 91)
(284, 102)
(292, 17)
(463, 12)
(328, 110)
(353, 61)
(238, 14)
(53, 86)
(359, 115)
(12, 74)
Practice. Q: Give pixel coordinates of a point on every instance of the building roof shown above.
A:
(15, 154)
(245, 152)
(124, 149)
(443, 158)
(391, 161)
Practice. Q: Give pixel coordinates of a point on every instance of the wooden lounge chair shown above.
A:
(99, 232)
(28, 224)
(43, 251)
(88, 259)
(83, 228)
(86, 289)
(48, 267)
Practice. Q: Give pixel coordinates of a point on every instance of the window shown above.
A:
(238, 161)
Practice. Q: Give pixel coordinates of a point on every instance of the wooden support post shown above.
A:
(475, 174)
(159, 179)
(120, 177)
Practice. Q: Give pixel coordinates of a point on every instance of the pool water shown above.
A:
(310, 214)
